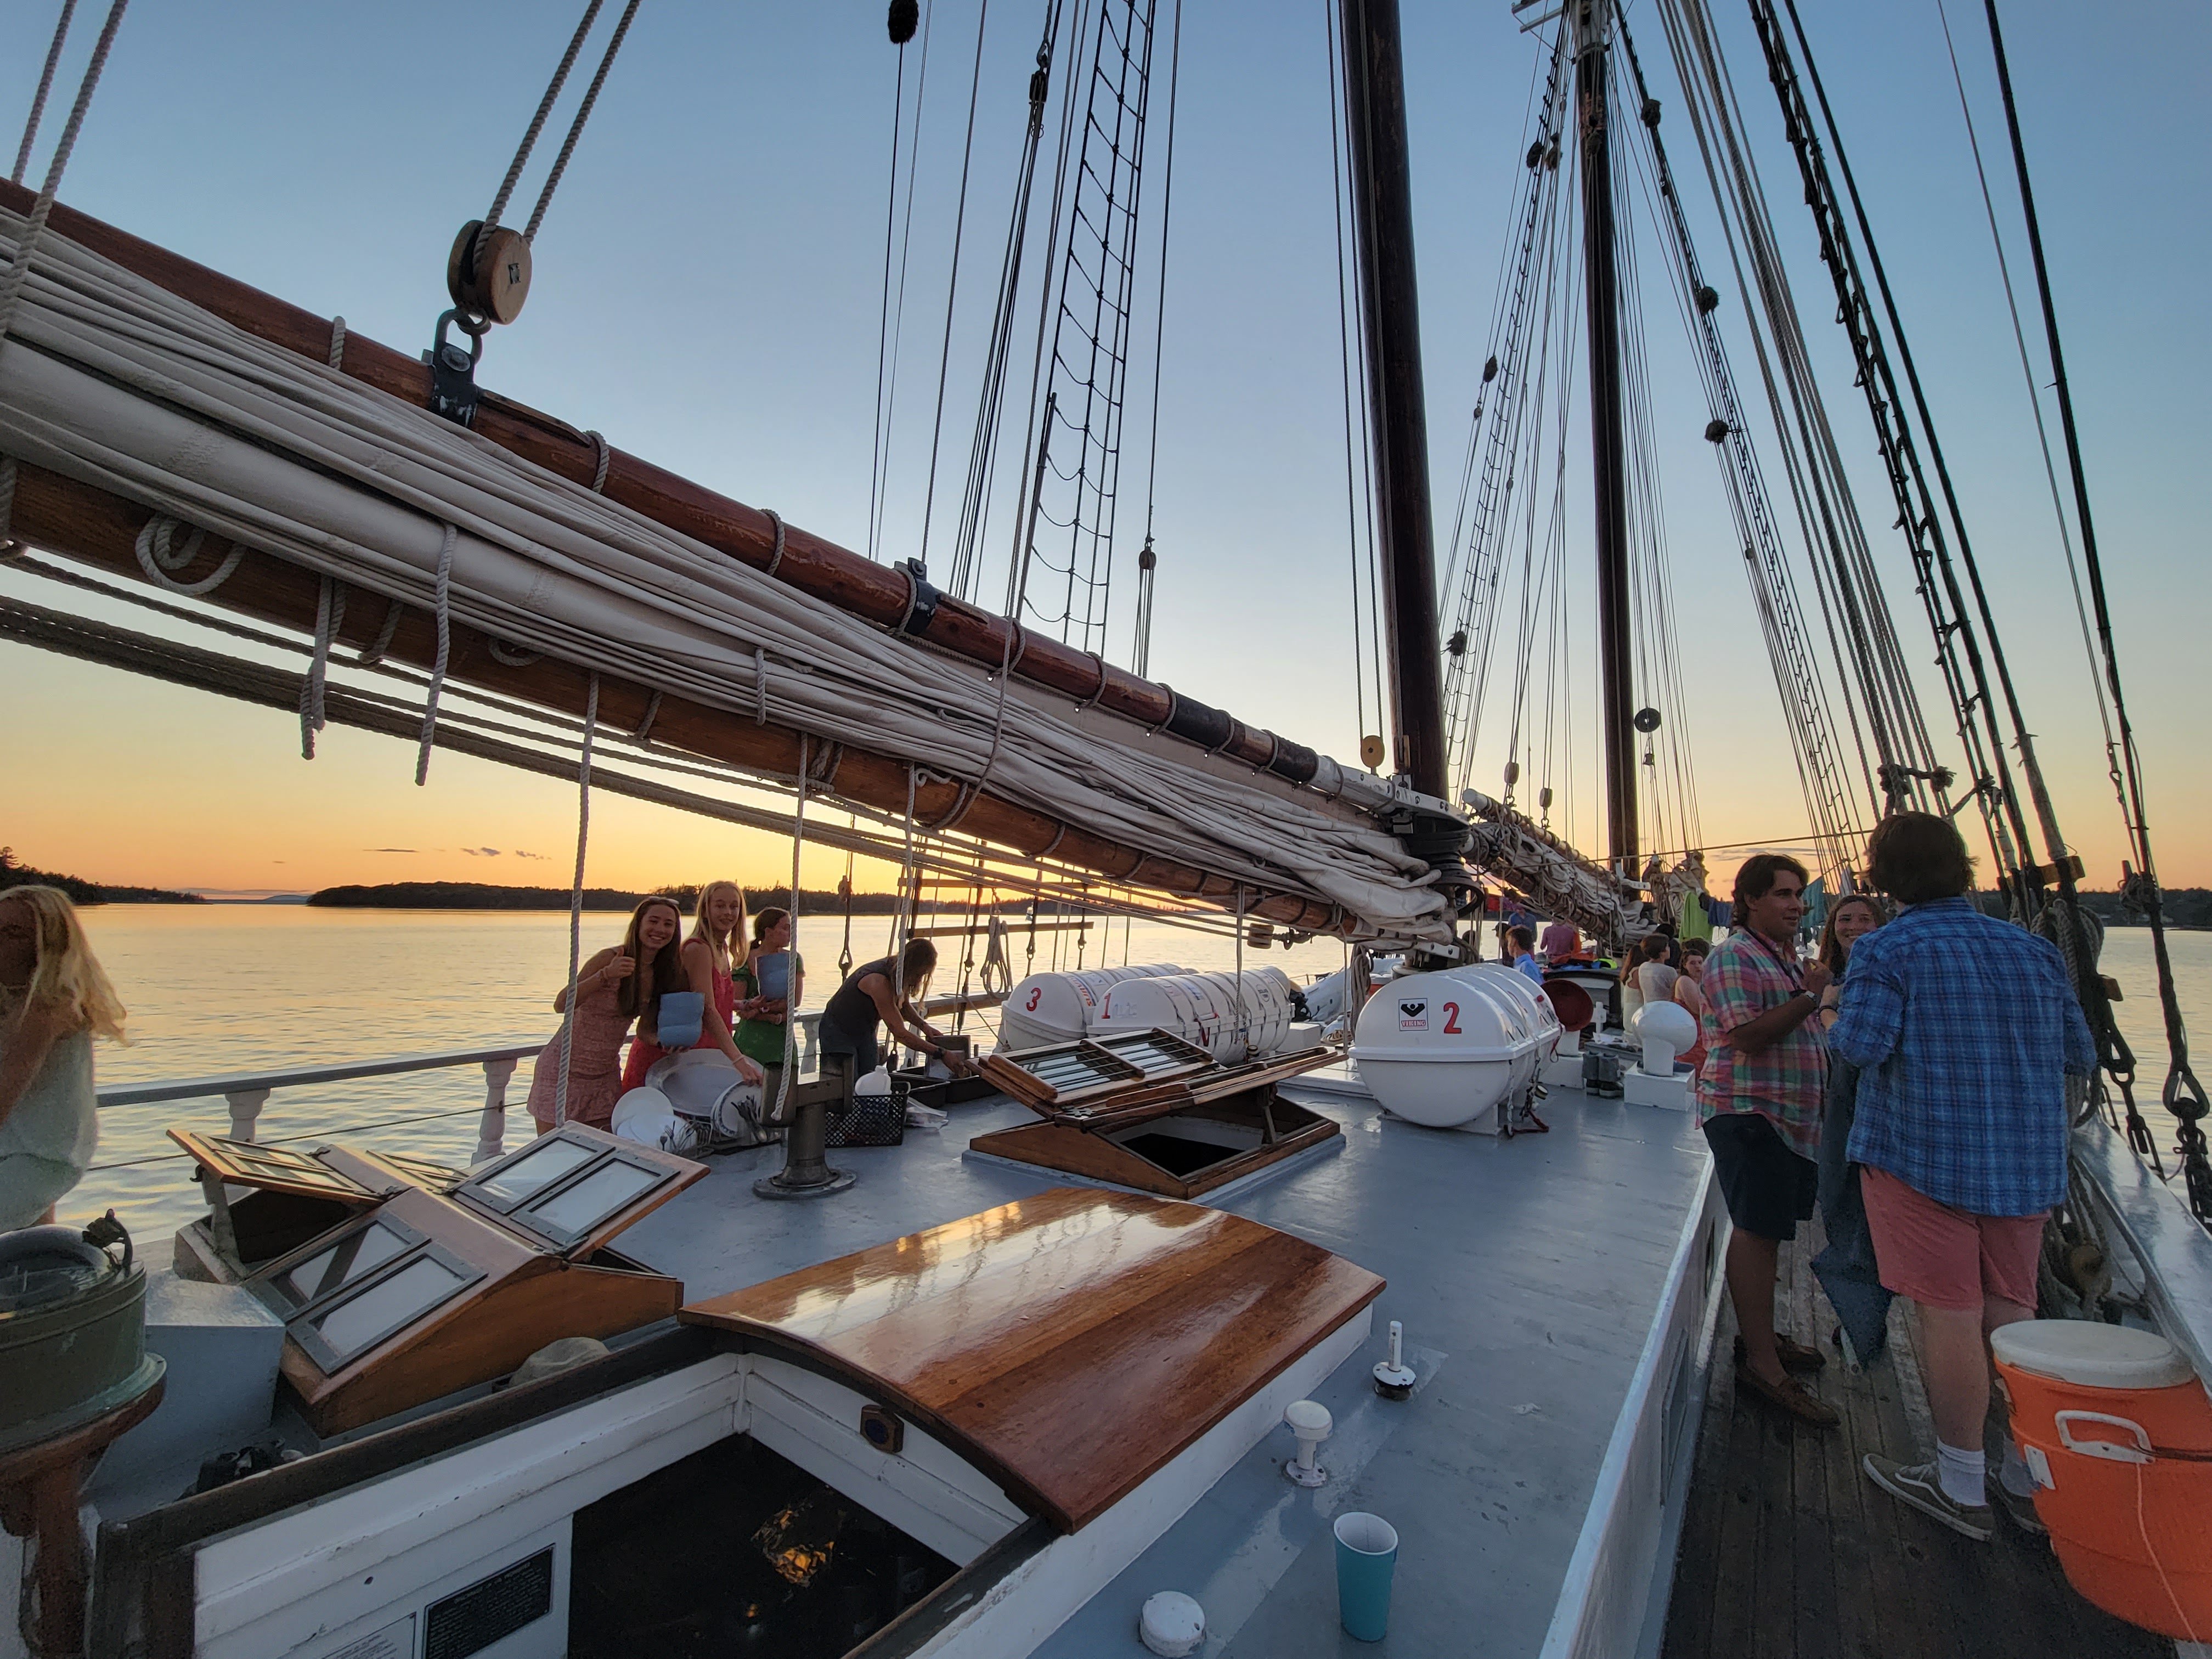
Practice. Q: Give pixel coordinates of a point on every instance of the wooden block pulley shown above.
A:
(488, 272)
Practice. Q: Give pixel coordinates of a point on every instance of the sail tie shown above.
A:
(644, 731)
(444, 650)
(760, 685)
(329, 617)
(158, 556)
(337, 344)
(576, 896)
(775, 558)
(601, 455)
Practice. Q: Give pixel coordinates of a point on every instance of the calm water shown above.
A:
(219, 990)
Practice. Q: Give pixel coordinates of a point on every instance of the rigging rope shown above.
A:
(46, 86)
(2182, 1095)
(576, 897)
(576, 126)
(887, 332)
(444, 579)
(952, 283)
(537, 121)
(1140, 659)
(329, 617)
(790, 1066)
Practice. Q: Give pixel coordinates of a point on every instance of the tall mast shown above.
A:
(1383, 220)
(1608, 467)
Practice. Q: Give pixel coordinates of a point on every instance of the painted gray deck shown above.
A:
(1527, 1272)
(1789, 1552)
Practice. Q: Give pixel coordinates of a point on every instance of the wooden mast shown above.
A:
(1609, 464)
(1383, 222)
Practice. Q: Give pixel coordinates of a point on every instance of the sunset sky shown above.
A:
(706, 294)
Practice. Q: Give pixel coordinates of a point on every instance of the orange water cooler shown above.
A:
(2116, 1430)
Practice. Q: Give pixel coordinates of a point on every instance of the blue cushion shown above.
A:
(682, 1015)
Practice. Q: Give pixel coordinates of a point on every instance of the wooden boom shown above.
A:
(101, 529)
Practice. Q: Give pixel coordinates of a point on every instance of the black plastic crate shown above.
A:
(869, 1119)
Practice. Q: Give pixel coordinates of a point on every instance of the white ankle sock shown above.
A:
(2012, 1474)
(1965, 1475)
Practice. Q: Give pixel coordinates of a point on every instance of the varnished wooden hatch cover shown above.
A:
(1070, 1344)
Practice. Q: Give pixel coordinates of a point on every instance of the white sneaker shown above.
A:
(1919, 1486)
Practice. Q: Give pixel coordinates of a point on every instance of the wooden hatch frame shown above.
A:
(461, 1289)
(1070, 1345)
(1081, 1134)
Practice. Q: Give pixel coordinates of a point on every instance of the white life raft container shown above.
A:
(1447, 1048)
(1203, 1009)
(1060, 1007)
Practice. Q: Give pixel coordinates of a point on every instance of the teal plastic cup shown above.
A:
(1366, 1555)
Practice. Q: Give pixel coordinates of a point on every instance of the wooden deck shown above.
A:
(1788, 1552)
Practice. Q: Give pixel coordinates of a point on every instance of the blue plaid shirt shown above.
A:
(1964, 1029)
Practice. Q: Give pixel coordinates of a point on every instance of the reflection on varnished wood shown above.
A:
(1075, 1341)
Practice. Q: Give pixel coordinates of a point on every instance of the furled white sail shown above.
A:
(115, 382)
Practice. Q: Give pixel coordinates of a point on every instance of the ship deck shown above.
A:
(1788, 1552)
(1530, 1274)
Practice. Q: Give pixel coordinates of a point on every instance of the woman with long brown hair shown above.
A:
(54, 999)
(619, 984)
(1850, 919)
(774, 982)
(718, 932)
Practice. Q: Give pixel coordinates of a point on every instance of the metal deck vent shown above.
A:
(470, 1620)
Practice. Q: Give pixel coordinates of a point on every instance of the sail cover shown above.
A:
(117, 382)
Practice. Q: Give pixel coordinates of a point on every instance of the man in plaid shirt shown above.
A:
(1965, 1029)
(1759, 1096)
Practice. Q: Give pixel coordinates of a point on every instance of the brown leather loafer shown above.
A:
(1789, 1397)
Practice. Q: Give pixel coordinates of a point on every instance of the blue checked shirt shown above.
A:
(1964, 1029)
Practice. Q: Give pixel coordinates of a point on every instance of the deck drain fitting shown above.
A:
(1310, 1421)
(1394, 1378)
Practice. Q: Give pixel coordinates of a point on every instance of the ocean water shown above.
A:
(225, 990)
(222, 990)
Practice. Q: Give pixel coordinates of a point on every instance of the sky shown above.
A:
(706, 294)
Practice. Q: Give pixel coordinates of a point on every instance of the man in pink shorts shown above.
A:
(1965, 1029)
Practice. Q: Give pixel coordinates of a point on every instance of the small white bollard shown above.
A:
(492, 1129)
(245, 1107)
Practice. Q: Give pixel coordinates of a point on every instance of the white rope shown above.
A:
(375, 654)
(791, 978)
(775, 558)
(445, 580)
(337, 344)
(508, 656)
(576, 899)
(760, 686)
(329, 617)
(643, 734)
(601, 455)
(902, 917)
(46, 86)
(537, 121)
(1243, 1016)
(576, 127)
(19, 270)
(157, 558)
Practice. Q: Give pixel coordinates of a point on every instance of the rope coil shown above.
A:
(158, 557)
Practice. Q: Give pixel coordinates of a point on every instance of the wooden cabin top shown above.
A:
(1070, 1344)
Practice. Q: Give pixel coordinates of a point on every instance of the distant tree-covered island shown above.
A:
(15, 873)
(491, 895)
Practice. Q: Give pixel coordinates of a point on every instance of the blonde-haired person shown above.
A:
(54, 999)
(718, 932)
